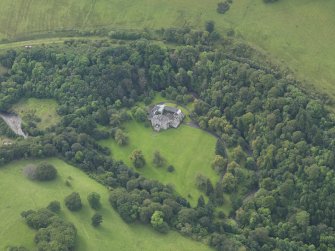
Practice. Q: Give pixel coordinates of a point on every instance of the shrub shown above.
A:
(209, 26)
(68, 183)
(30, 171)
(158, 160)
(121, 137)
(38, 219)
(53, 233)
(137, 158)
(45, 172)
(94, 200)
(223, 7)
(73, 202)
(54, 206)
(201, 182)
(170, 168)
(96, 219)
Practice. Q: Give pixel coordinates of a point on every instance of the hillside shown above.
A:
(298, 33)
(270, 185)
(114, 233)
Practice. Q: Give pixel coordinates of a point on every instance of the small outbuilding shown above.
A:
(164, 117)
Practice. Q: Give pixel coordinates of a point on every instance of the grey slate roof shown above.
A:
(171, 109)
(163, 117)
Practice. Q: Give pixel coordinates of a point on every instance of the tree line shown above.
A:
(282, 135)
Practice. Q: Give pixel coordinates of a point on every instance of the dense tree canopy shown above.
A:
(282, 138)
(53, 233)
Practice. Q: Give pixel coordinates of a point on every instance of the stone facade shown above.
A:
(163, 117)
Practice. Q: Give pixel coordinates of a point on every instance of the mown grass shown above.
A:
(188, 149)
(19, 194)
(45, 109)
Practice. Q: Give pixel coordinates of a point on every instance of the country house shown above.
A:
(164, 117)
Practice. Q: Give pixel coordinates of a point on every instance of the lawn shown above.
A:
(45, 109)
(188, 149)
(18, 194)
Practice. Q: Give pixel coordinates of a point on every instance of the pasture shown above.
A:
(19, 194)
(45, 109)
(296, 33)
(189, 150)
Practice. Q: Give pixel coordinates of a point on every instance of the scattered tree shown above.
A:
(45, 172)
(121, 137)
(201, 182)
(96, 219)
(158, 160)
(54, 206)
(209, 26)
(73, 202)
(94, 200)
(170, 168)
(223, 7)
(137, 158)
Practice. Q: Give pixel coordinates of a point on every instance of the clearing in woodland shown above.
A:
(189, 150)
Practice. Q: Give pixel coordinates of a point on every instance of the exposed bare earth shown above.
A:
(14, 122)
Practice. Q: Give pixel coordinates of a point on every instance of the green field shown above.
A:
(18, 194)
(299, 33)
(188, 149)
(45, 109)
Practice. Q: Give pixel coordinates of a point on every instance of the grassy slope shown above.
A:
(18, 17)
(18, 194)
(41, 41)
(298, 32)
(45, 109)
(188, 149)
